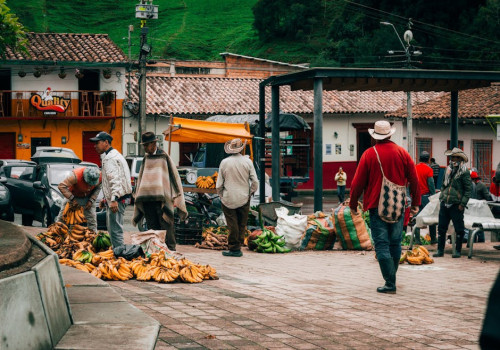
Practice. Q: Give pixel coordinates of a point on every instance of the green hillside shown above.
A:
(186, 29)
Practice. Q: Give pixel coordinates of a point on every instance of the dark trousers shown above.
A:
(341, 193)
(236, 220)
(457, 217)
(154, 220)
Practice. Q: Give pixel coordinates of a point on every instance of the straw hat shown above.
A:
(234, 146)
(382, 130)
(456, 152)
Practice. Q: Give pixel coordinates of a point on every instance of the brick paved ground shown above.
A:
(313, 300)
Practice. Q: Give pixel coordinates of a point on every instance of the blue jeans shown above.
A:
(114, 222)
(341, 193)
(387, 237)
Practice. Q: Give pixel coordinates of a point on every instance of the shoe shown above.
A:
(236, 253)
(389, 273)
(497, 247)
(438, 254)
(456, 255)
(433, 241)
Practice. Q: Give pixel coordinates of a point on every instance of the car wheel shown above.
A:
(142, 226)
(46, 219)
(27, 220)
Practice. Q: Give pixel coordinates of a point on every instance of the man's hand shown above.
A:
(461, 207)
(102, 204)
(88, 205)
(414, 210)
(113, 206)
(73, 203)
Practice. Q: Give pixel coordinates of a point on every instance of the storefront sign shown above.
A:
(49, 104)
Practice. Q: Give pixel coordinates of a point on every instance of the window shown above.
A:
(21, 172)
(481, 158)
(460, 144)
(422, 144)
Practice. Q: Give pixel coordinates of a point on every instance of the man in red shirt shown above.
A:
(398, 168)
(426, 184)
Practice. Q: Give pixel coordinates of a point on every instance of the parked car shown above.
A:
(47, 154)
(34, 189)
(134, 163)
(6, 209)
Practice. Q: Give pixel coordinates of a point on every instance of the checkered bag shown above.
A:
(391, 204)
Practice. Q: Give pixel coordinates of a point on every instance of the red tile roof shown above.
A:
(472, 104)
(185, 96)
(67, 47)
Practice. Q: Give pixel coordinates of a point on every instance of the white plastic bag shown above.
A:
(292, 227)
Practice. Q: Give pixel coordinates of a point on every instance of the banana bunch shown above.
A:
(73, 214)
(115, 270)
(165, 275)
(417, 256)
(85, 267)
(77, 233)
(102, 241)
(269, 242)
(83, 256)
(208, 272)
(205, 182)
(191, 274)
(214, 177)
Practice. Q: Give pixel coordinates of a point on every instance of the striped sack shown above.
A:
(319, 235)
(352, 230)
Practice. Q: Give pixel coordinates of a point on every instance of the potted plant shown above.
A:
(106, 73)
(107, 97)
(37, 73)
(21, 73)
(62, 73)
(78, 74)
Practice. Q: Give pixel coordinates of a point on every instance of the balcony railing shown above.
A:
(59, 104)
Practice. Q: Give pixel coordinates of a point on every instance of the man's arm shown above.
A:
(467, 186)
(66, 184)
(430, 183)
(254, 182)
(358, 183)
(412, 177)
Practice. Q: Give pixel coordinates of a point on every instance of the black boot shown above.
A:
(388, 272)
(441, 243)
(432, 233)
(458, 246)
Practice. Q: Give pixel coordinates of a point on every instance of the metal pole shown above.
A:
(130, 29)
(275, 139)
(454, 120)
(262, 143)
(409, 125)
(142, 89)
(318, 144)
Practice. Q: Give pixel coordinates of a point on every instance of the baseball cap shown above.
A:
(474, 175)
(102, 136)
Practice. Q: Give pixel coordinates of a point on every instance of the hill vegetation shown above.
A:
(458, 34)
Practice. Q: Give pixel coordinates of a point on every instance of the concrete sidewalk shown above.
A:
(314, 300)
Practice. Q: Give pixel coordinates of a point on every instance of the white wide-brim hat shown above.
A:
(456, 152)
(382, 130)
(234, 146)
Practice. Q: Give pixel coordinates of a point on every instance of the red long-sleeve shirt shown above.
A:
(398, 168)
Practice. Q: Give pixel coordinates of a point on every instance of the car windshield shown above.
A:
(138, 165)
(57, 175)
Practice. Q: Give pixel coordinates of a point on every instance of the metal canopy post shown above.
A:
(275, 138)
(262, 143)
(454, 120)
(318, 144)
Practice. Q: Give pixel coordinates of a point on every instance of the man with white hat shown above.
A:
(385, 159)
(455, 193)
(236, 183)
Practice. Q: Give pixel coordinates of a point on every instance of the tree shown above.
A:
(12, 33)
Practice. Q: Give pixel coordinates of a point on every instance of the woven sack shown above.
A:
(351, 230)
(319, 235)
(391, 203)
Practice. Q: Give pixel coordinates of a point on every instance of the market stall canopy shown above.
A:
(202, 131)
(288, 121)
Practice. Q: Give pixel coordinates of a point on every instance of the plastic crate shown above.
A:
(189, 231)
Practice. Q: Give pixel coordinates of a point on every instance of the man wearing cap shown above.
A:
(479, 189)
(158, 190)
(82, 186)
(399, 168)
(455, 193)
(236, 182)
(435, 169)
(116, 185)
(426, 184)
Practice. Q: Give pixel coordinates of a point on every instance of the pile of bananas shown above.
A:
(207, 181)
(73, 214)
(102, 241)
(269, 242)
(417, 256)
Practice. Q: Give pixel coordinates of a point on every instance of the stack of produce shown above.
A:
(73, 214)
(417, 256)
(214, 238)
(91, 252)
(269, 242)
(207, 181)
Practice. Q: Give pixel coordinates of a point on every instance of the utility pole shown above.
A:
(408, 37)
(145, 10)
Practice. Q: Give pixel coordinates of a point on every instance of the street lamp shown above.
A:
(408, 37)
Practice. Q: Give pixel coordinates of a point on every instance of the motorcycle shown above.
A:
(208, 206)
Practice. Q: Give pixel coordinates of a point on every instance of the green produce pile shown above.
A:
(269, 242)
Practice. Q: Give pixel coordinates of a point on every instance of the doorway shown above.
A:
(89, 84)
(89, 152)
(5, 97)
(7, 145)
(39, 141)
(363, 138)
